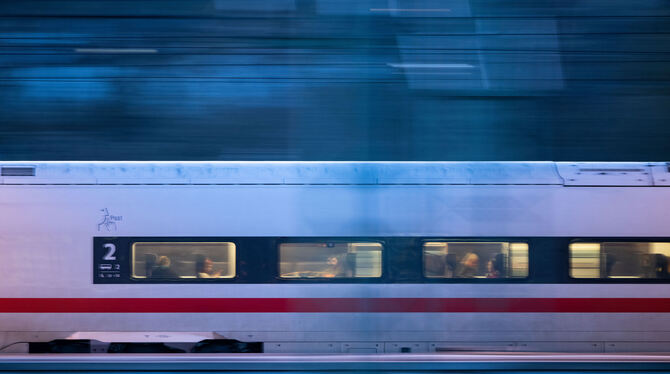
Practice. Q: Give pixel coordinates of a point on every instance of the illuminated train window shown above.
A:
(475, 260)
(330, 260)
(182, 261)
(623, 260)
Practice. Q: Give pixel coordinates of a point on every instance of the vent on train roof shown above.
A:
(611, 170)
(17, 171)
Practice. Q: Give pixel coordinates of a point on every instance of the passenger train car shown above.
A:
(337, 257)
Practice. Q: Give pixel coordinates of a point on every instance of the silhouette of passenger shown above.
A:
(451, 264)
(495, 268)
(610, 261)
(162, 269)
(149, 264)
(335, 267)
(204, 268)
(661, 266)
(469, 266)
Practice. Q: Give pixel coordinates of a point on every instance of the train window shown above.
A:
(619, 260)
(186, 260)
(330, 260)
(475, 260)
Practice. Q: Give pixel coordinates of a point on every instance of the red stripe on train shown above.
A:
(335, 305)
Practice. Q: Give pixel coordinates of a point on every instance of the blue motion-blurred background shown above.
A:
(335, 80)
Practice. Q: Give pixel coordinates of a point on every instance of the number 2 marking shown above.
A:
(111, 249)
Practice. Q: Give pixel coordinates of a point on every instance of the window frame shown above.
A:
(179, 279)
(384, 278)
(128, 242)
(527, 279)
(257, 260)
(600, 240)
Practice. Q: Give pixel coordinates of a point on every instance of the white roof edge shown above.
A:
(336, 172)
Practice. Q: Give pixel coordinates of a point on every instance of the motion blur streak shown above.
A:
(334, 80)
(410, 10)
(115, 50)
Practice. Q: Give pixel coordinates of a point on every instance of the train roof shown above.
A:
(337, 173)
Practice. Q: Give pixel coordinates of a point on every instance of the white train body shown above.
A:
(50, 213)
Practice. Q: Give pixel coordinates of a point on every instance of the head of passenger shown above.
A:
(469, 266)
(162, 269)
(204, 267)
(203, 264)
(471, 260)
(334, 267)
(163, 262)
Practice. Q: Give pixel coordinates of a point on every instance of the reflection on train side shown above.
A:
(165, 260)
(475, 260)
(330, 260)
(619, 260)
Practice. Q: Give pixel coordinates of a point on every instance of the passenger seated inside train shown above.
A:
(491, 260)
(336, 267)
(204, 267)
(330, 260)
(162, 269)
(661, 268)
(149, 264)
(495, 268)
(332, 267)
(469, 267)
(451, 264)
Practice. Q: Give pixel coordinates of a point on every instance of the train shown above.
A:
(335, 257)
